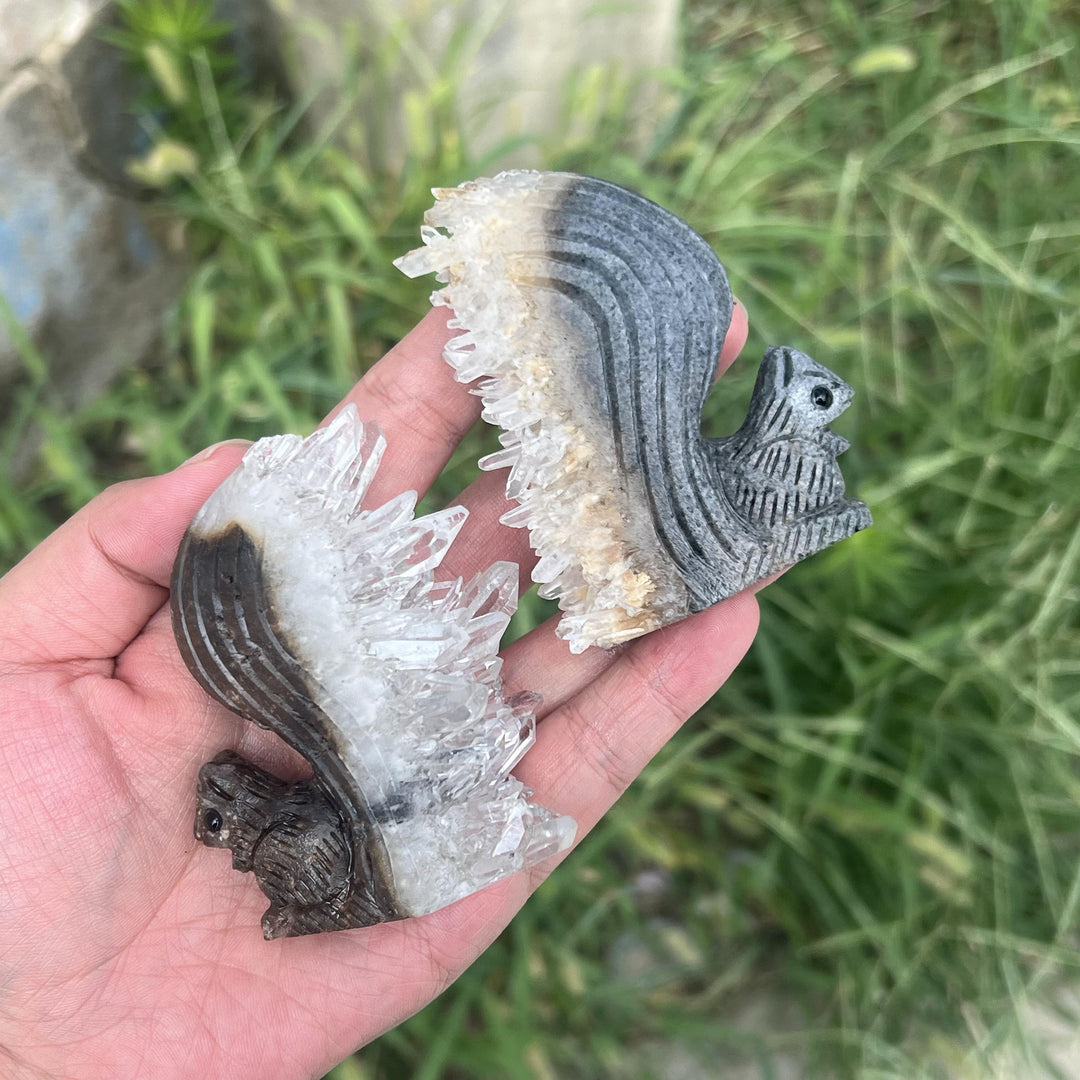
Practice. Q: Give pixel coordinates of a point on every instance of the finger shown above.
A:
(483, 538)
(735, 339)
(540, 660)
(589, 750)
(423, 411)
(87, 590)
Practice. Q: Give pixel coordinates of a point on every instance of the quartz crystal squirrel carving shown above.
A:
(306, 611)
(593, 320)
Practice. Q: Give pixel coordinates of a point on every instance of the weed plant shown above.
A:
(865, 852)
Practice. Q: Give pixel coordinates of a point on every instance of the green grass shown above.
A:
(876, 824)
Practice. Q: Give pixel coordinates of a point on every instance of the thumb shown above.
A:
(88, 589)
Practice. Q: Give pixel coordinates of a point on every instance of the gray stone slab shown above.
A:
(84, 262)
(40, 31)
(82, 268)
(516, 62)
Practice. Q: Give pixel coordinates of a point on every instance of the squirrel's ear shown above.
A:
(775, 373)
(230, 778)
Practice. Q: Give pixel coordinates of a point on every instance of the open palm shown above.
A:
(127, 949)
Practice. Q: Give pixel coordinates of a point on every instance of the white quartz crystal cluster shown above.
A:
(597, 553)
(405, 667)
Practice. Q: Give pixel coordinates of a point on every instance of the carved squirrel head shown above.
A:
(814, 394)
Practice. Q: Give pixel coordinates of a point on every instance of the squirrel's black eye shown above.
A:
(821, 396)
(212, 821)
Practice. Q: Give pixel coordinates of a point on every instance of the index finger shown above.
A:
(422, 410)
(590, 748)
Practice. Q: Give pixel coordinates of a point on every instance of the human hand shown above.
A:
(126, 950)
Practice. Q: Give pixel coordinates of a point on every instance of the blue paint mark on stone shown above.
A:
(40, 263)
(140, 244)
(20, 286)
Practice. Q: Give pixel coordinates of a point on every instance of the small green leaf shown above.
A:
(167, 72)
(883, 60)
(166, 161)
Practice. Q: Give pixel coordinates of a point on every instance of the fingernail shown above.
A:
(202, 455)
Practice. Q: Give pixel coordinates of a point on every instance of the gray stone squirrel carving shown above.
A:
(779, 470)
(594, 319)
